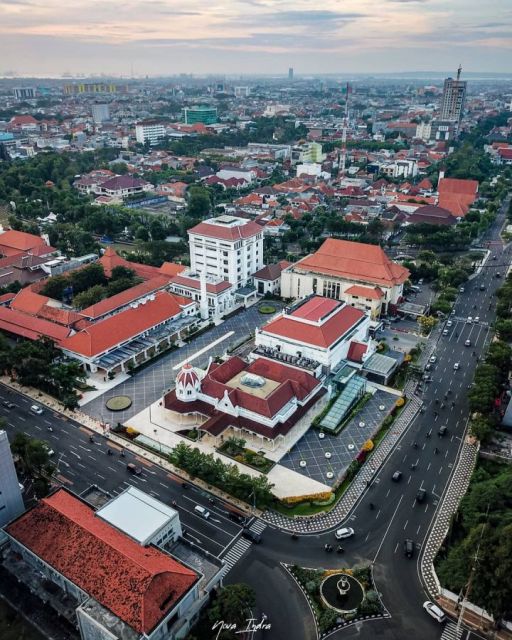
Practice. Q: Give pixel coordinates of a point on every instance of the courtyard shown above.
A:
(325, 454)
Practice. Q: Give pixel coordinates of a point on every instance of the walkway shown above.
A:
(325, 521)
(455, 491)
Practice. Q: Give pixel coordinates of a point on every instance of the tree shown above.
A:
(122, 272)
(198, 202)
(89, 297)
(54, 287)
(233, 605)
(504, 329)
(427, 323)
(87, 277)
(32, 454)
(157, 230)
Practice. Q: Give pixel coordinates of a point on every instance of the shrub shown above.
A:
(400, 402)
(368, 445)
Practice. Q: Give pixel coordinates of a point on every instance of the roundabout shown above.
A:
(342, 592)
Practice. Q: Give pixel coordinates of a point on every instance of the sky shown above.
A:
(165, 37)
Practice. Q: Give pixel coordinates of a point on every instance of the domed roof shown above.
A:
(187, 375)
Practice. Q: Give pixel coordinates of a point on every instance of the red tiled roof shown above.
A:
(66, 317)
(6, 297)
(317, 335)
(107, 334)
(195, 283)
(356, 351)
(432, 214)
(123, 298)
(171, 269)
(222, 232)
(110, 259)
(138, 584)
(20, 240)
(271, 271)
(374, 293)
(457, 185)
(21, 324)
(28, 301)
(354, 261)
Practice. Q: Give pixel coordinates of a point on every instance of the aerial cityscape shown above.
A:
(255, 320)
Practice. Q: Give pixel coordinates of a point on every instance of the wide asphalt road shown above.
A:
(396, 515)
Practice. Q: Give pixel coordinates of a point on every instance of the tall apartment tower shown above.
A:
(11, 502)
(100, 112)
(454, 97)
(290, 73)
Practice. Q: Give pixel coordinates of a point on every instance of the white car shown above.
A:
(469, 320)
(36, 409)
(461, 289)
(449, 323)
(445, 332)
(346, 532)
(434, 611)
(49, 450)
(432, 359)
(467, 343)
(477, 318)
(456, 366)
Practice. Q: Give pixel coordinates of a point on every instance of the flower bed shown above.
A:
(235, 449)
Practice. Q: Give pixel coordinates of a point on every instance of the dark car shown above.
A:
(251, 535)
(442, 431)
(482, 287)
(9, 405)
(498, 275)
(421, 495)
(133, 469)
(408, 548)
(236, 517)
(396, 476)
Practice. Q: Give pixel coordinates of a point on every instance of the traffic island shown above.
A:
(338, 597)
(118, 403)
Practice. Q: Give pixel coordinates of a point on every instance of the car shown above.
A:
(494, 257)
(36, 409)
(469, 320)
(434, 611)
(202, 511)
(420, 281)
(449, 323)
(456, 366)
(396, 476)
(408, 548)
(428, 367)
(498, 275)
(445, 332)
(462, 290)
(421, 495)
(8, 405)
(346, 532)
(427, 378)
(251, 535)
(236, 517)
(442, 431)
(133, 469)
(482, 287)
(432, 359)
(22, 488)
(477, 318)
(467, 343)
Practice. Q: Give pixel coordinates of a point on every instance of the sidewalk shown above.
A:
(473, 620)
(325, 521)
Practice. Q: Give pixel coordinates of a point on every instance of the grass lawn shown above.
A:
(14, 627)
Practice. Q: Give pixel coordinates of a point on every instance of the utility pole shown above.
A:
(464, 603)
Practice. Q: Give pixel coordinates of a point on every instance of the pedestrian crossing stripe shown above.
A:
(450, 632)
(236, 552)
(258, 526)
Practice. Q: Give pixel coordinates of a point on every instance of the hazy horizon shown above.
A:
(237, 37)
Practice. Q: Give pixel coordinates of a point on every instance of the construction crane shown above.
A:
(344, 136)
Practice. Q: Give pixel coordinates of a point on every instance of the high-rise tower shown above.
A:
(454, 97)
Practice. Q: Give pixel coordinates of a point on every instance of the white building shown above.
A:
(227, 248)
(11, 502)
(149, 131)
(236, 172)
(242, 92)
(100, 113)
(318, 329)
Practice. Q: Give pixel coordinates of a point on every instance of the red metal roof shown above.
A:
(225, 232)
(356, 351)
(110, 259)
(28, 301)
(354, 261)
(316, 308)
(138, 584)
(323, 335)
(125, 325)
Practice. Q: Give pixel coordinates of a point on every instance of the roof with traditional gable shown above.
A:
(111, 259)
(354, 261)
(125, 325)
(271, 272)
(221, 232)
(27, 326)
(374, 293)
(20, 241)
(140, 585)
(356, 351)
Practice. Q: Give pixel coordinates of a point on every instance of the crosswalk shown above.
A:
(242, 545)
(236, 552)
(450, 632)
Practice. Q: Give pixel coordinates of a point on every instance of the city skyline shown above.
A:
(246, 36)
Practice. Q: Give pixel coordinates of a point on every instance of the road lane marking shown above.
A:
(406, 523)
(387, 529)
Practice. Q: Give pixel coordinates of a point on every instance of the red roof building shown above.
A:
(139, 585)
(15, 242)
(457, 195)
(264, 397)
(25, 326)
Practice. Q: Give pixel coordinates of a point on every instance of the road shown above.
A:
(381, 531)
(81, 463)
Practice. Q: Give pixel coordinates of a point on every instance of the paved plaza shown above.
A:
(343, 448)
(147, 385)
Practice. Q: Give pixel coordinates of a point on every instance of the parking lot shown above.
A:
(146, 386)
(312, 448)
